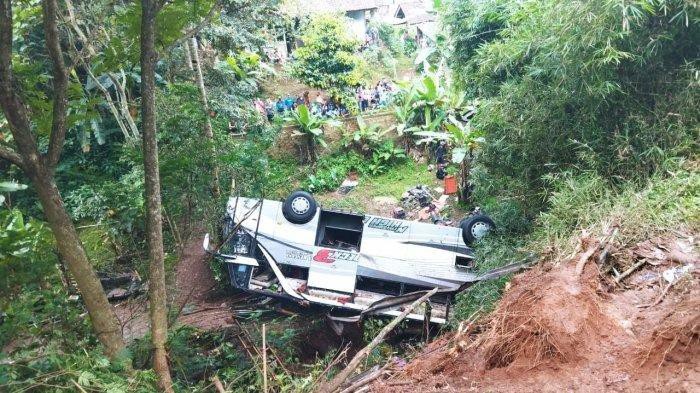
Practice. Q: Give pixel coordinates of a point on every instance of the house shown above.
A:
(359, 12)
(419, 20)
(411, 13)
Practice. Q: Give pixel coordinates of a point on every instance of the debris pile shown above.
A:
(122, 286)
(419, 203)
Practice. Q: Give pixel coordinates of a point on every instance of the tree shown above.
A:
(592, 86)
(208, 131)
(39, 168)
(327, 60)
(154, 217)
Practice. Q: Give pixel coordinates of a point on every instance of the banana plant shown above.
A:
(430, 92)
(367, 137)
(309, 126)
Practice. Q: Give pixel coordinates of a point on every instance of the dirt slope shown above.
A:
(191, 293)
(555, 331)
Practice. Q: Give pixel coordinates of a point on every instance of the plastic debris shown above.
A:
(673, 274)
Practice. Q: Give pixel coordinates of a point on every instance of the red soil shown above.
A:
(554, 331)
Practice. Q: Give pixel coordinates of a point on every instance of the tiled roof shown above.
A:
(300, 7)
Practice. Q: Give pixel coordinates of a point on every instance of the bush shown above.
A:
(27, 257)
(391, 37)
(577, 87)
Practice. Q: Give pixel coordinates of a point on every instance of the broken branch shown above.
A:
(217, 383)
(334, 384)
(661, 297)
(629, 271)
(366, 380)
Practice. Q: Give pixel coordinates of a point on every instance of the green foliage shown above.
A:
(26, 252)
(392, 38)
(367, 138)
(310, 127)
(332, 170)
(327, 60)
(47, 338)
(471, 25)
(409, 46)
(384, 156)
(172, 19)
(668, 203)
(577, 86)
(308, 124)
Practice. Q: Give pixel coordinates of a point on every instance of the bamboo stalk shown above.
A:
(264, 357)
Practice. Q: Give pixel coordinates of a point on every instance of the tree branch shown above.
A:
(60, 83)
(11, 156)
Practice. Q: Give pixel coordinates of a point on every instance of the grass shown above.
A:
(397, 180)
(393, 183)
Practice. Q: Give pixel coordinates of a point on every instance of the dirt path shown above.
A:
(192, 293)
(554, 331)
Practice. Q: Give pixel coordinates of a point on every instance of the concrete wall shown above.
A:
(356, 20)
(288, 145)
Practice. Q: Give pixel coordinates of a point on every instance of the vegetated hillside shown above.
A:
(612, 306)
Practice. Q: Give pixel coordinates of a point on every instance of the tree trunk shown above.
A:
(208, 131)
(311, 147)
(188, 56)
(38, 171)
(154, 218)
(71, 249)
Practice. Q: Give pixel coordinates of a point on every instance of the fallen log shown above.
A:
(339, 379)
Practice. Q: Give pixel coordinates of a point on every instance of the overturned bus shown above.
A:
(354, 264)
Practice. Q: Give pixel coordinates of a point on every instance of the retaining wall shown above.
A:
(289, 145)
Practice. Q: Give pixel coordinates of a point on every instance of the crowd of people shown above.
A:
(368, 98)
(379, 96)
(318, 105)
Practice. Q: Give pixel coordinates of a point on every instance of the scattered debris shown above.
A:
(347, 186)
(121, 286)
(417, 196)
(339, 379)
(399, 213)
(673, 274)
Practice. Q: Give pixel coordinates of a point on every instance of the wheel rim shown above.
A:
(479, 229)
(300, 205)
